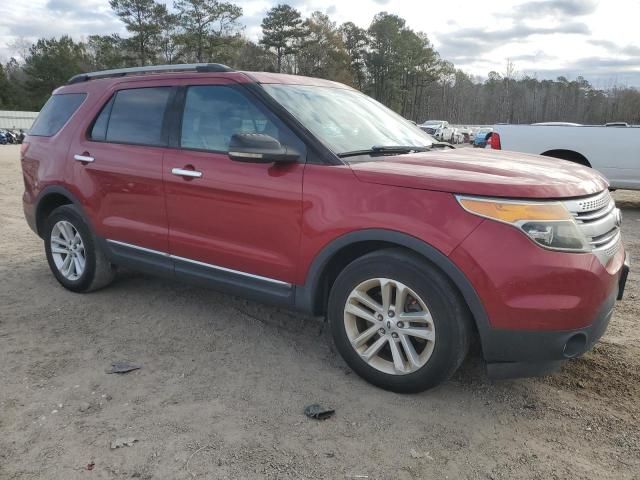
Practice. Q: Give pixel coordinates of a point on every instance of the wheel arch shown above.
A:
(51, 198)
(311, 297)
(569, 155)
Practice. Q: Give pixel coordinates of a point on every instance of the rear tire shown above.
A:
(73, 254)
(409, 356)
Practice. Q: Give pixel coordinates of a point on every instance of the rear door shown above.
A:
(236, 220)
(117, 165)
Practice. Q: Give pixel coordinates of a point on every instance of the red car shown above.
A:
(308, 194)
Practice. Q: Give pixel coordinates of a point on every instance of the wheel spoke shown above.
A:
(409, 350)
(386, 289)
(82, 261)
(65, 230)
(419, 332)
(374, 348)
(401, 296)
(367, 301)
(360, 313)
(59, 250)
(66, 266)
(62, 235)
(72, 268)
(77, 266)
(58, 241)
(77, 239)
(398, 362)
(418, 317)
(364, 336)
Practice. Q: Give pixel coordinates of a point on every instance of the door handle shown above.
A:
(181, 172)
(83, 158)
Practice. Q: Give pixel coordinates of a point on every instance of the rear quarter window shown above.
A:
(55, 113)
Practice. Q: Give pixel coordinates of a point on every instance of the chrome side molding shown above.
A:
(202, 264)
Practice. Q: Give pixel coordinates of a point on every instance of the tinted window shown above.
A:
(137, 116)
(99, 130)
(212, 114)
(55, 113)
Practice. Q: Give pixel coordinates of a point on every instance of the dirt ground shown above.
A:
(224, 382)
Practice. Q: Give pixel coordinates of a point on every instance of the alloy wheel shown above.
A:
(389, 326)
(67, 250)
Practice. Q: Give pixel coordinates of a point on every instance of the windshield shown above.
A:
(346, 120)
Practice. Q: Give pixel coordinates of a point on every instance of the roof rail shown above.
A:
(121, 72)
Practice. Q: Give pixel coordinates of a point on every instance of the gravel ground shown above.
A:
(224, 382)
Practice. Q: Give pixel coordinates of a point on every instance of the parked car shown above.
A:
(480, 139)
(3, 138)
(466, 134)
(310, 195)
(472, 134)
(614, 151)
(565, 124)
(457, 137)
(439, 129)
(617, 124)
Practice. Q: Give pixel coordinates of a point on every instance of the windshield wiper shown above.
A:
(384, 149)
(442, 145)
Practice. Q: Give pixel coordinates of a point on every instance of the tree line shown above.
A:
(388, 60)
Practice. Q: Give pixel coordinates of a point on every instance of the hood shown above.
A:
(493, 173)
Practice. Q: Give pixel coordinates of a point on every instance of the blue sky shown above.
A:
(546, 38)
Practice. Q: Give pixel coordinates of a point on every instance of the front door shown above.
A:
(240, 219)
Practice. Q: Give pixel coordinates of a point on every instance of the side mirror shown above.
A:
(259, 148)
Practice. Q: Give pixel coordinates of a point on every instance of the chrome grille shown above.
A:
(611, 251)
(594, 203)
(599, 220)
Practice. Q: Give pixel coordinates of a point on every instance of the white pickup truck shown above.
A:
(439, 129)
(612, 150)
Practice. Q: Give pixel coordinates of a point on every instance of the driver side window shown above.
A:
(213, 113)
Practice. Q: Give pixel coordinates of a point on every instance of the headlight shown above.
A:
(549, 224)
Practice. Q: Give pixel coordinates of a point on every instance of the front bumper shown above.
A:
(517, 353)
(539, 307)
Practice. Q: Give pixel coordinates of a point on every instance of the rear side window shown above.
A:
(55, 113)
(133, 116)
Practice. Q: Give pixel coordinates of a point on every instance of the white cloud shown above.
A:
(597, 39)
(33, 19)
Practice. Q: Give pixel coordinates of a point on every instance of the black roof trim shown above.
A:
(121, 72)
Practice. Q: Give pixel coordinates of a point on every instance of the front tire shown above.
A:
(74, 256)
(398, 321)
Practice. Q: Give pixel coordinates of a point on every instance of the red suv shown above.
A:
(308, 194)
